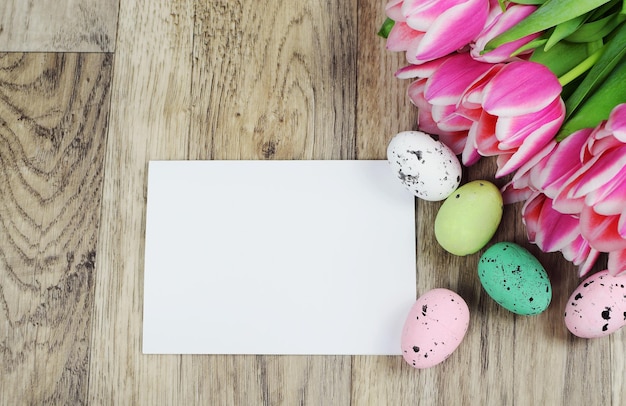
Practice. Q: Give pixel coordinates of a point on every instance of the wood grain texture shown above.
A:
(58, 25)
(274, 82)
(218, 79)
(53, 120)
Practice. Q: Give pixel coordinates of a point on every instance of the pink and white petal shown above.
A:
(426, 123)
(473, 97)
(453, 29)
(617, 262)
(598, 172)
(424, 70)
(470, 154)
(531, 146)
(512, 193)
(617, 122)
(415, 92)
(609, 199)
(601, 231)
(556, 230)
(531, 213)
(521, 87)
(589, 262)
(455, 123)
(563, 201)
(454, 76)
(454, 140)
(393, 10)
(420, 14)
(562, 162)
(486, 142)
(401, 37)
(512, 131)
(499, 23)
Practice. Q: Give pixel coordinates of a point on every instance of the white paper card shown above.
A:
(277, 257)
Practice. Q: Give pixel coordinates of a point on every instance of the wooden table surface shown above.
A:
(91, 90)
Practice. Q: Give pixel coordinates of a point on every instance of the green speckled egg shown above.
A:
(469, 217)
(515, 279)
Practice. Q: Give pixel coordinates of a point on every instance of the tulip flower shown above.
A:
(427, 30)
(553, 231)
(437, 94)
(521, 113)
(498, 22)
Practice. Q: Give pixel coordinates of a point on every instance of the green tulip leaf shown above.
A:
(596, 30)
(564, 29)
(549, 14)
(562, 57)
(385, 29)
(599, 105)
(614, 53)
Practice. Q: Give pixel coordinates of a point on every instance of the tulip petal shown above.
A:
(609, 198)
(453, 29)
(589, 262)
(617, 262)
(521, 87)
(600, 171)
(454, 76)
(421, 14)
(393, 10)
(601, 231)
(402, 37)
(532, 145)
(617, 122)
(454, 140)
(424, 70)
(512, 131)
(561, 163)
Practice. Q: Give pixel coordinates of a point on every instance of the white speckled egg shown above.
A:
(434, 328)
(425, 166)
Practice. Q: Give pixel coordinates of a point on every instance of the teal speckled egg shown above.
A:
(515, 279)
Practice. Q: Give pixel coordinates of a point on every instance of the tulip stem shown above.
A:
(581, 68)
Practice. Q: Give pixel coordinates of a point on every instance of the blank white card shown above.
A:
(277, 257)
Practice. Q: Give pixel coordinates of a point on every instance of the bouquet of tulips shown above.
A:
(541, 85)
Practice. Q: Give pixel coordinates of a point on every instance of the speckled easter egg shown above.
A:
(515, 279)
(469, 217)
(434, 328)
(425, 166)
(597, 307)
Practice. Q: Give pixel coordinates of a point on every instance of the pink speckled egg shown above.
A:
(597, 307)
(434, 328)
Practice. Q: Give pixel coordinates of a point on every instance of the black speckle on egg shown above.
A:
(578, 296)
(416, 348)
(424, 310)
(530, 299)
(624, 316)
(457, 195)
(606, 313)
(605, 327)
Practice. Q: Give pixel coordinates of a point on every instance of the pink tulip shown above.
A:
(521, 113)
(427, 29)
(554, 231)
(437, 94)
(581, 179)
(498, 22)
(548, 170)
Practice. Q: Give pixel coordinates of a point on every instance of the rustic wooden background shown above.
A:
(91, 90)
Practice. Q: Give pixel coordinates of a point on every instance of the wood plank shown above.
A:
(274, 82)
(53, 121)
(58, 25)
(150, 107)
(155, 65)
